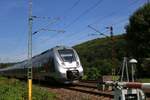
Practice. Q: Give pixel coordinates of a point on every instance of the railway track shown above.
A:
(93, 83)
(76, 91)
(89, 89)
(82, 89)
(93, 91)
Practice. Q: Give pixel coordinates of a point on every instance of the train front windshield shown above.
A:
(67, 55)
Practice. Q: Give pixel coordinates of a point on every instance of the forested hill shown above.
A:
(95, 55)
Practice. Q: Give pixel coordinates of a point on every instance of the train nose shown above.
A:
(72, 74)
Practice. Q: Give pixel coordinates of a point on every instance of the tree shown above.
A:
(138, 33)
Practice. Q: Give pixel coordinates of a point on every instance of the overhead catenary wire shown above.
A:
(84, 13)
(41, 17)
(72, 7)
(67, 11)
(89, 9)
(113, 13)
(55, 20)
(54, 38)
(79, 38)
(104, 31)
(72, 35)
(81, 35)
(120, 21)
(81, 31)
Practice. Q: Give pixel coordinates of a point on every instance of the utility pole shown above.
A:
(30, 20)
(30, 23)
(112, 48)
(113, 52)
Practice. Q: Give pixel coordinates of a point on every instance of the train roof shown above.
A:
(61, 47)
(25, 61)
(54, 48)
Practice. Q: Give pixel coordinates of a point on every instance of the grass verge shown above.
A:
(13, 89)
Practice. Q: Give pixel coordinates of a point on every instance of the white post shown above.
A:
(133, 62)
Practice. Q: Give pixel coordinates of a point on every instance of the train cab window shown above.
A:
(67, 55)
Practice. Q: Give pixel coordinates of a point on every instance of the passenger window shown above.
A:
(52, 65)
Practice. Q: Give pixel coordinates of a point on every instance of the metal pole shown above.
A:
(112, 44)
(126, 65)
(113, 52)
(132, 72)
(112, 40)
(30, 52)
(122, 73)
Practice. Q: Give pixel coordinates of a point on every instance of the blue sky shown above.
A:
(71, 16)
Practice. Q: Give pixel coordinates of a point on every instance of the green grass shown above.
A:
(13, 89)
(144, 80)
